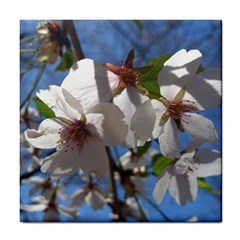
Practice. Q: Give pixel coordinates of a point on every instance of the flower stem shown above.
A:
(26, 39)
(38, 77)
(69, 26)
(140, 209)
(154, 206)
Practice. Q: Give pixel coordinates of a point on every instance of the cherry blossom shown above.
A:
(129, 161)
(79, 136)
(90, 194)
(51, 209)
(45, 186)
(180, 178)
(183, 94)
(90, 83)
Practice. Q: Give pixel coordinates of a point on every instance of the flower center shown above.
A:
(176, 108)
(73, 135)
(128, 76)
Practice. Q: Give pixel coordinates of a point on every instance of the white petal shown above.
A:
(193, 145)
(114, 129)
(62, 163)
(93, 157)
(61, 102)
(205, 89)
(143, 121)
(178, 71)
(159, 109)
(73, 102)
(34, 179)
(67, 211)
(47, 162)
(208, 163)
(128, 101)
(183, 188)
(47, 134)
(199, 127)
(162, 184)
(126, 160)
(33, 207)
(94, 124)
(193, 219)
(95, 199)
(40, 199)
(90, 83)
(169, 140)
(61, 192)
(78, 197)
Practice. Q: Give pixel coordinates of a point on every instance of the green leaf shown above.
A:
(204, 185)
(68, 59)
(159, 163)
(43, 108)
(149, 79)
(143, 149)
(200, 69)
(138, 24)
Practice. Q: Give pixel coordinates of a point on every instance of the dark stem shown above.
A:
(113, 184)
(29, 174)
(69, 26)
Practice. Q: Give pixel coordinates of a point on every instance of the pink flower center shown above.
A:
(177, 108)
(128, 76)
(73, 135)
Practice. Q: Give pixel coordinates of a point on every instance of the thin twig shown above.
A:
(29, 174)
(113, 184)
(154, 206)
(26, 39)
(27, 50)
(38, 77)
(27, 66)
(69, 26)
(141, 210)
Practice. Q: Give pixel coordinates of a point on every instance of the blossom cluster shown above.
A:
(98, 106)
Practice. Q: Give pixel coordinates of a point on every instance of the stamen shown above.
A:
(73, 135)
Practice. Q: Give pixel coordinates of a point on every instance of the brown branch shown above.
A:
(69, 26)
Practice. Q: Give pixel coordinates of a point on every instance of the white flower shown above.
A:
(79, 136)
(51, 209)
(45, 186)
(183, 93)
(181, 177)
(89, 79)
(129, 160)
(91, 195)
